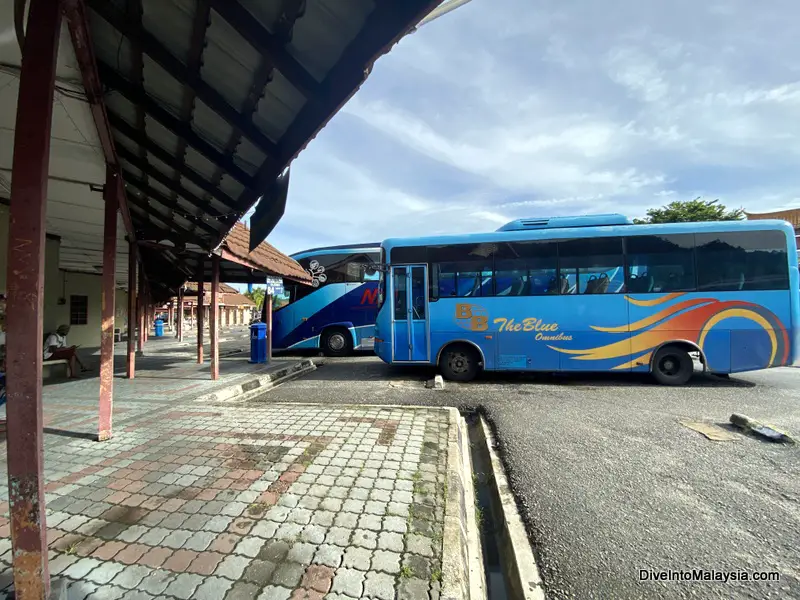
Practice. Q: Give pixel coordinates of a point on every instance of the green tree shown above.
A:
(686, 211)
(257, 296)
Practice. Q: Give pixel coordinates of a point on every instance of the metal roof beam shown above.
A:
(158, 222)
(140, 206)
(168, 159)
(267, 44)
(343, 80)
(291, 10)
(136, 95)
(133, 14)
(167, 182)
(261, 77)
(78, 22)
(147, 190)
(189, 77)
(194, 62)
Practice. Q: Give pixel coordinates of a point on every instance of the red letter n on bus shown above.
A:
(370, 296)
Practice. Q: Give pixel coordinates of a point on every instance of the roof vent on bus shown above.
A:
(566, 222)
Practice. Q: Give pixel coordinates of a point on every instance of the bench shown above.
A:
(53, 363)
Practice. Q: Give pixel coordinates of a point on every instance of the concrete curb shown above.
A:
(522, 574)
(258, 385)
(462, 561)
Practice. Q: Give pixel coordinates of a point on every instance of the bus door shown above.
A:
(410, 312)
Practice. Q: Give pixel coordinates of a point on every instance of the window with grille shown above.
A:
(78, 310)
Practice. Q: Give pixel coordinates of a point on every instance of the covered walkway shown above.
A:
(166, 373)
(142, 131)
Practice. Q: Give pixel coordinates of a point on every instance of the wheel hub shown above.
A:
(669, 366)
(459, 363)
(336, 341)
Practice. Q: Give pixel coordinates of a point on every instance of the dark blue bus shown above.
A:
(337, 313)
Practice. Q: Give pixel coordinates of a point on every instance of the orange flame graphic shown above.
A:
(693, 318)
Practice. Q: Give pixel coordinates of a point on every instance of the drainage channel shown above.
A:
(487, 512)
(499, 524)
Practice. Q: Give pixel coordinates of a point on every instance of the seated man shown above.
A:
(55, 348)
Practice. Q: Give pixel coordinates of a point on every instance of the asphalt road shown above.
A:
(609, 482)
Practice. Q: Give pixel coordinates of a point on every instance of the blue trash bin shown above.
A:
(159, 325)
(258, 343)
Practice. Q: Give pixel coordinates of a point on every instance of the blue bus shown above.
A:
(593, 293)
(337, 313)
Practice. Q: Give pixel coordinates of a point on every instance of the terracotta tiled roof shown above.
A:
(225, 299)
(793, 216)
(236, 300)
(223, 287)
(265, 256)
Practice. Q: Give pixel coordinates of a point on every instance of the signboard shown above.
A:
(274, 286)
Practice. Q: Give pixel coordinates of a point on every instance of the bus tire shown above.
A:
(672, 365)
(337, 341)
(459, 362)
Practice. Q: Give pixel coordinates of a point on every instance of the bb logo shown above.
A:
(472, 317)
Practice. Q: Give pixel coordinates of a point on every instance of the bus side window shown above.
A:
(433, 286)
(526, 268)
(301, 291)
(744, 260)
(592, 265)
(463, 270)
(660, 263)
(283, 299)
(446, 280)
(399, 281)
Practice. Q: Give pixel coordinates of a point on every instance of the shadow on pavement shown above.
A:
(365, 367)
(606, 379)
(70, 434)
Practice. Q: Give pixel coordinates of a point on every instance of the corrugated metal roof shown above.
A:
(210, 100)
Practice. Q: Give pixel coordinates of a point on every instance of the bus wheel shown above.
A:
(672, 366)
(459, 363)
(337, 342)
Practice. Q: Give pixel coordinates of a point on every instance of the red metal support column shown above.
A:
(214, 320)
(25, 269)
(108, 304)
(131, 355)
(200, 323)
(146, 315)
(140, 315)
(180, 315)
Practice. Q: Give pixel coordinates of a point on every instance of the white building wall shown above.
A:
(59, 286)
(84, 284)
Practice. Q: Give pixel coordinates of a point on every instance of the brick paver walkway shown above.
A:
(167, 371)
(245, 502)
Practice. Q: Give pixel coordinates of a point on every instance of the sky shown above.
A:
(504, 109)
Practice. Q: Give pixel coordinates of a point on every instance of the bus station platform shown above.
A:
(248, 500)
(165, 373)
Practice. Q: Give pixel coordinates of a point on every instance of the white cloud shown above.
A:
(496, 112)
